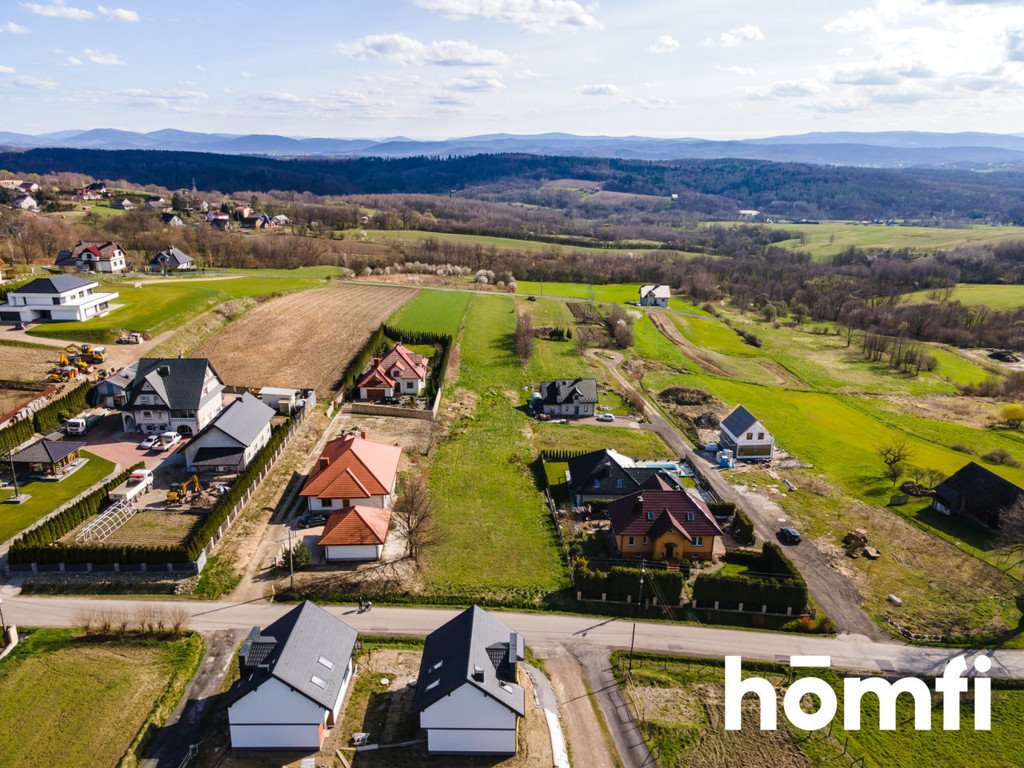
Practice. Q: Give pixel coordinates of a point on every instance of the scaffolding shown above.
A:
(100, 529)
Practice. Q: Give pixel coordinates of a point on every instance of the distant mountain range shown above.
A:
(886, 149)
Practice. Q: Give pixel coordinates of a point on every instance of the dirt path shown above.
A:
(669, 330)
(587, 740)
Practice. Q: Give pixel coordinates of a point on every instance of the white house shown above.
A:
(353, 471)
(94, 256)
(399, 372)
(25, 203)
(230, 441)
(567, 397)
(467, 692)
(655, 295)
(293, 677)
(172, 394)
(61, 297)
(172, 259)
(746, 437)
(281, 399)
(355, 533)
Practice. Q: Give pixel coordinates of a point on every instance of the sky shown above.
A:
(430, 69)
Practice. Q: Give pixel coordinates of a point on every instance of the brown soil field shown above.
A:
(23, 364)
(302, 340)
(147, 528)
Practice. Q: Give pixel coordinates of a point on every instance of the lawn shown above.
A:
(489, 511)
(995, 296)
(709, 333)
(433, 311)
(154, 306)
(505, 243)
(636, 443)
(47, 496)
(68, 701)
(613, 293)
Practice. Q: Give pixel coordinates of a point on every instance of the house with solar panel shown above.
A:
(293, 677)
(232, 440)
(746, 437)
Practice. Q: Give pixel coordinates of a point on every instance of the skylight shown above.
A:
(433, 685)
(326, 662)
(437, 666)
(318, 682)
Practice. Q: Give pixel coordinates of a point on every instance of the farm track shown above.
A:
(305, 339)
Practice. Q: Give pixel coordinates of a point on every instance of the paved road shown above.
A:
(543, 630)
(834, 593)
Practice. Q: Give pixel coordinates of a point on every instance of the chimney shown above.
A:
(164, 370)
(478, 673)
(362, 434)
(324, 462)
(638, 508)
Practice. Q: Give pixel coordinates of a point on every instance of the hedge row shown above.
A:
(777, 583)
(619, 582)
(743, 528)
(561, 455)
(374, 347)
(14, 435)
(52, 416)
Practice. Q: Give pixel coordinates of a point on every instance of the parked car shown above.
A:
(168, 440)
(21, 325)
(149, 443)
(308, 521)
(391, 401)
(606, 417)
(789, 535)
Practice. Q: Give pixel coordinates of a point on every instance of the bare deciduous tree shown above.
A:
(413, 515)
(524, 335)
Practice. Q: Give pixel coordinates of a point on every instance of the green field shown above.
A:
(612, 293)
(506, 243)
(156, 306)
(999, 297)
(433, 311)
(47, 496)
(68, 701)
(825, 240)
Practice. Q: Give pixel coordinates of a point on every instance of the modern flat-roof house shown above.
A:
(605, 475)
(293, 676)
(568, 397)
(61, 297)
(467, 692)
(655, 295)
(399, 372)
(663, 521)
(172, 394)
(355, 533)
(49, 457)
(171, 259)
(353, 471)
(232, 439)
(977, 492)
(746, 437)
(94, 256)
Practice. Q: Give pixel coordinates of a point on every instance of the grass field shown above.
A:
(613, 293)
(825, 240)
(155, 306)
(433, 311)
(488, 508)
(47, 496)
(73, 702)
(505, 243)
(994, 296)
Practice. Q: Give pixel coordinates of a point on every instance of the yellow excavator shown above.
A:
(178, 492)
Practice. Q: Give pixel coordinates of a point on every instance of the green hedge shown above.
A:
(620, 581)
(775, 582)
(53, 415)
(743, 528)
(382, 339)
(14, 435)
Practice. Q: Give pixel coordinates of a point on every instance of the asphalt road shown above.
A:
(850, 652)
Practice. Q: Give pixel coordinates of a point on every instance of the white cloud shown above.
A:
(600, 89)
(451, 100)
(487, 80)
(739, 71)
(74, 61)
(664, 44)
(353, 104)
(736, 36)
(121, 14)
(531, 15)
(7, 70)
(404, 50)
(790, 88)
(14, 29)
(246, 74)
(58, 9)
(171, 100)
(652, 102)
(37, 83)
(99, 57)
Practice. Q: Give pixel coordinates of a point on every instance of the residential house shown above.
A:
(123, 204)
(171, 259)
(663, 521)
(49, 457)
(355, 533)
(29, 187)
(111, 392)
(568, 397)
(10, 183)
(353, 471)
(61, 297)
(170, 219)
(746, 437)
(232, 439)
(242, 212)
(399, 372)
(94, 256)
(280, 221)
(25, 203)
(977, 492)
(605, 475)
(172, 394)
(468, 695)
(256, 221)
(655, 295)
(293, 676)
(218, 219)
(93, 191)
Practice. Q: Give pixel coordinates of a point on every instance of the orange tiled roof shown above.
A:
(354, 468)
(356, 525)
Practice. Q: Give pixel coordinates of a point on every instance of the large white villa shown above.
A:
(61, 297)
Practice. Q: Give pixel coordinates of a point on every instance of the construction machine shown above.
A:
(179, 491)
(93, 354)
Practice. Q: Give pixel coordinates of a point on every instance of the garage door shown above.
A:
(374, 394)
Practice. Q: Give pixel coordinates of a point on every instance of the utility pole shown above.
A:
(291, 563)
(639, 599)
(14, 476)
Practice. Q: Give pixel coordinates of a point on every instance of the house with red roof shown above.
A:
(94, 256)
(399, 372)
(663, 521)
(355, 533)
(353, 471)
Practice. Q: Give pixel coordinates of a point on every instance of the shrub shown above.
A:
(743, 528)
(1000, 456)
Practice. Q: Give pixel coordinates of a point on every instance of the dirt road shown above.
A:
(587, 739)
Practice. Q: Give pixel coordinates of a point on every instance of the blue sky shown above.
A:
(437, 68)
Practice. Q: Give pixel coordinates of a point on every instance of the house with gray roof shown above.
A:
(60, 297)
(293, 676)
(171, 259)
(172, 394)
(746, 437)
(605, 475)
(568, 397)
(655, 295)
(232, 440)
(467, 693)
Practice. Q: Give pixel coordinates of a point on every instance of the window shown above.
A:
(650, 515)
(632, 541)
(645, 540)
(618, 483)
(433, 685)
(689, 515)
(597, 482)
(760, 435)
(750, 435)
(437, 665)
(326, 662)
(319, 682)
(698, 541)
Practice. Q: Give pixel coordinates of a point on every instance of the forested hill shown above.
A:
(717, 187)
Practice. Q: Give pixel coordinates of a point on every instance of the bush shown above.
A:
(51, 416)
(743, 528)
(619, 582)
(1000, 456)
(773, 581)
